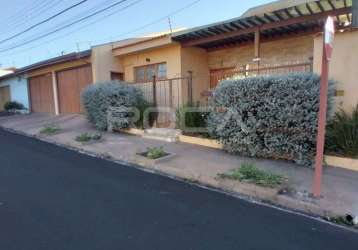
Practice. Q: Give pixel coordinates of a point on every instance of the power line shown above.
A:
(65, 26)
(24, 14)
(44, 21)
(71, 32)
(163, 18)
(12, 27)
(97, 6)
(25, 9)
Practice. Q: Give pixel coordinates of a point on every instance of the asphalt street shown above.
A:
(53, 198)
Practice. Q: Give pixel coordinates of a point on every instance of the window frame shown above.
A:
(145, 68)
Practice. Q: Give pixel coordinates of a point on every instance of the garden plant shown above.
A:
(342, 133)
(87, 137)
(268, 116)
(99, 98)
(248, 172)
(50, 130)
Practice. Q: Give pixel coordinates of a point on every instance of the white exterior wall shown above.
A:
(18, 89)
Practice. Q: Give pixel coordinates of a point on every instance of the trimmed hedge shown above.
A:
(98, 98)
(268, 116)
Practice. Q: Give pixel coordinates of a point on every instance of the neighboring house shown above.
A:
(55, 85)
(13, 87)
(281, 37)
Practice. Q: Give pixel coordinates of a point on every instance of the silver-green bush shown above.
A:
(98, 98)
(269, 116)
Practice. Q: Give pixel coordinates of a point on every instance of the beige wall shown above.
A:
(144, 44)
(196, 60)
(179, 61)
(169, 54)
(103, 62)
(343, 66)
(274, 52)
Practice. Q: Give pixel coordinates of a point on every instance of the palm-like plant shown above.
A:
(342, 133)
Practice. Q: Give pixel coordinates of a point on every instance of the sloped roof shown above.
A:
(149, 37)
(273, 19)
(49, 62)
(274, 6)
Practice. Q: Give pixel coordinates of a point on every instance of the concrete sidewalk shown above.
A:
(202, 165)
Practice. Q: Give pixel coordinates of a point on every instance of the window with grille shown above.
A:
(146, 73)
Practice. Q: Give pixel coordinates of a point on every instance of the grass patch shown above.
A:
(156, 153)
(248, 172)
(86, 137)
(347, 220)
(50, 130)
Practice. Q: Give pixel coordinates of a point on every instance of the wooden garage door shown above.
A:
(41, 94)
(4, 96)
(70, 84)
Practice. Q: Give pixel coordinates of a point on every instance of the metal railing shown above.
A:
(167, 95)
(256, 69)
(172, 92)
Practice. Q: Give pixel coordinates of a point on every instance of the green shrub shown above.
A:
(86, 137)
(13, 105)
(192, 120)
(342, 133)
(50, 130)
(248, 172)
(156, 153)
(99, 98)
(152, 116)
(268, 116)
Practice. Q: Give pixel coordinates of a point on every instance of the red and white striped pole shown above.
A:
(328, 37)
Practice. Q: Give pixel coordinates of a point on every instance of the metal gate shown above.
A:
(167, 96)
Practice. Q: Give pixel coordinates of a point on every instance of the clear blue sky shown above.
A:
(112, 25)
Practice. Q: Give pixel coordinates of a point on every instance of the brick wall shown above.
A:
(275, 52)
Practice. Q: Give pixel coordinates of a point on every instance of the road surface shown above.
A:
(53, 198)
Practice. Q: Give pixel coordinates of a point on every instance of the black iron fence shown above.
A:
(170, 93)
(167, 95)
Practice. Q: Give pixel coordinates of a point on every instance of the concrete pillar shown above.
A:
(55, 93)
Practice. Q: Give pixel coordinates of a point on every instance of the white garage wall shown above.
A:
(18, 89)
